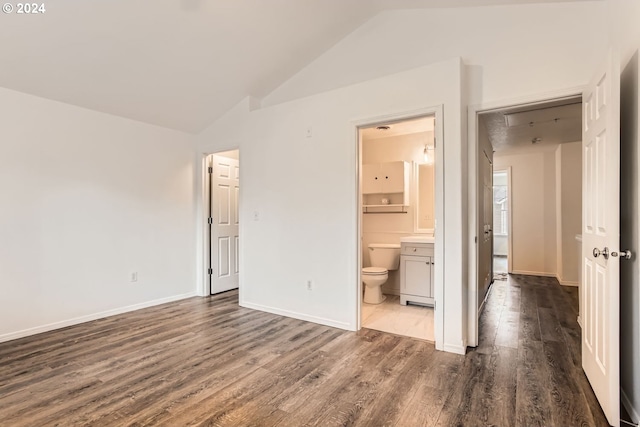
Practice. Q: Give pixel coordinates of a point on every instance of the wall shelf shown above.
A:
(395, 208)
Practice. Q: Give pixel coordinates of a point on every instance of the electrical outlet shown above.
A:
(309, 285)
(134, 276)
(309, 132)
(256, 216)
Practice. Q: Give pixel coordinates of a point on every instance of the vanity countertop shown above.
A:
(418, 239)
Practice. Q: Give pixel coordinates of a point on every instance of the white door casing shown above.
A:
(601, 236)
(224, 241)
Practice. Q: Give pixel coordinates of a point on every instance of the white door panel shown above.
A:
(601, 236)
(224, 184)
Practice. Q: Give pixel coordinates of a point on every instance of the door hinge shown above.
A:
(210, 271)
(210, 220)
(476, 239)
(210, 169)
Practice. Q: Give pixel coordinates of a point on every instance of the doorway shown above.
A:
(222, 242)
(538, 144)
(501, 222)
(397, 222)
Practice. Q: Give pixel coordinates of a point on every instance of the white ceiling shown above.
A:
(553, 122)
(177, 63)
(424, 124)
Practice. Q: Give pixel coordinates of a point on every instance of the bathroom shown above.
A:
(397, 188)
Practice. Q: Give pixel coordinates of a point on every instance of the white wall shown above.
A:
(512, 50)
(304, 190)
(87, 199)
(570, 211)
(623, 24)
(389, 228)
(533, 218)
(630, 238)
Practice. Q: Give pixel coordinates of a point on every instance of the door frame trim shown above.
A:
(472, 160)
(438, 111)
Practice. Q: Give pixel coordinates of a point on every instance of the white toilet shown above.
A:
(384, 257)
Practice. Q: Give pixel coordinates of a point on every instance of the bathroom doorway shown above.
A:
(222, 237)
(397, 184)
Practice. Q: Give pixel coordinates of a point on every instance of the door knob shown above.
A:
(623, 254)
(597, 252)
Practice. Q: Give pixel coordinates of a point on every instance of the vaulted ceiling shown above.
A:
(176, 63)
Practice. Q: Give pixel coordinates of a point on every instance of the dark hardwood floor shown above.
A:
(206, 361)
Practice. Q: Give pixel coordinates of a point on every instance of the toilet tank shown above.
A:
(385, 255)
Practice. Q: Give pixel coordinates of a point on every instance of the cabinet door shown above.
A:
(392, 176)
(371, 182)
(417, 275)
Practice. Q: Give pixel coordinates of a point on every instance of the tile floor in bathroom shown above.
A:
(390, 316)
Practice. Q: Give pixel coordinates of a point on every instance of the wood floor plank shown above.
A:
(550, 329)
(352, 382)
(529, 322)
(458, 409)
(533, 403)
(397, 388)
(509, 328)
(569, 407)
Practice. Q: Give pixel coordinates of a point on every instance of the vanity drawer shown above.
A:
(417, 249)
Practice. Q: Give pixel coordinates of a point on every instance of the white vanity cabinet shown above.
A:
(416, 273)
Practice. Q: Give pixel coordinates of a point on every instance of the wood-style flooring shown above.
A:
(209, 362)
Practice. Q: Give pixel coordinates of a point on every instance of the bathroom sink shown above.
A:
(418, 239)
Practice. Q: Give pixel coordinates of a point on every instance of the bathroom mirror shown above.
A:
(424, 185)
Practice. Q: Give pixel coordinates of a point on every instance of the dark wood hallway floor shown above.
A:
(206, 361)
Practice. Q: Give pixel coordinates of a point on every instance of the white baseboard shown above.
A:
(633, 412)
(457, 349)
(543, 274)
(567, 282)
(533, 273)
(299, 316)
(89, 317)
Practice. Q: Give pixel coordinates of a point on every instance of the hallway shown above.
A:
(530, 337)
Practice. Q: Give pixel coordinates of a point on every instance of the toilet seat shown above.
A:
(374, 271)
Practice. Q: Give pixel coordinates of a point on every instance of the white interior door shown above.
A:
(223, 220)
(485, 240)
(601, 236)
